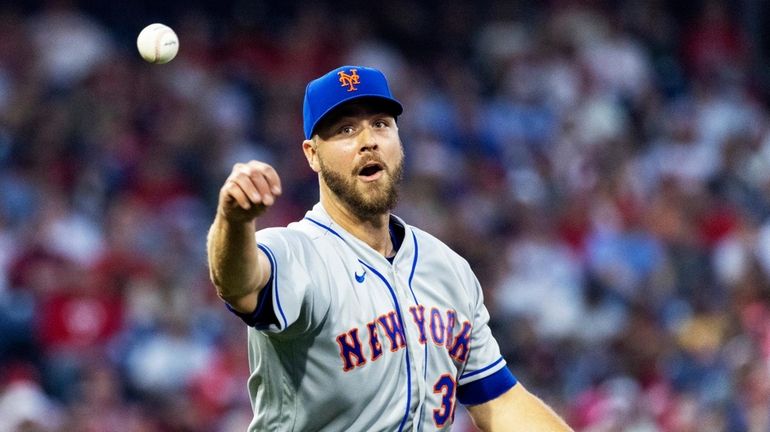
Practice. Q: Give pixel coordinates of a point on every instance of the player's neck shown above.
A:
(372, 231)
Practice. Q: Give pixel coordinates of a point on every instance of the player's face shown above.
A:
(360, 159)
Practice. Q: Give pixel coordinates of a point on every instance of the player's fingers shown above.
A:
(249, 188)
(232, 192)
(273, 180)
(270, 175)
(253, 183)
(260, 183)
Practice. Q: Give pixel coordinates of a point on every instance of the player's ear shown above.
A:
(309, 147)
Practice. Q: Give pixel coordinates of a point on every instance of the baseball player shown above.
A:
(357, 320)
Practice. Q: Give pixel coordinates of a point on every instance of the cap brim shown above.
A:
(396, 110)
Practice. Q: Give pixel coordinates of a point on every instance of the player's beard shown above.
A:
(381, 196)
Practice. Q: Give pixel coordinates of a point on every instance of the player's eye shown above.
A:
(346, 130)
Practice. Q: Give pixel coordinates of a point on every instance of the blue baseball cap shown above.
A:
(342, 85)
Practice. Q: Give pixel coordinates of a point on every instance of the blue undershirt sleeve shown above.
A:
(487, 388)
(264, 314)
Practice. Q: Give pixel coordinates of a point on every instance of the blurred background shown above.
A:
(603, 165)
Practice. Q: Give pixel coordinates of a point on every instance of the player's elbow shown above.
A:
(231, 299)
(229, 293)
(242, 302)
(233, 292)
(218, 283)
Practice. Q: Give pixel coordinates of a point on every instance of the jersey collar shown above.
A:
(320, 217)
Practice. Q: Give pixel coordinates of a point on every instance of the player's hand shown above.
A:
(250, 188)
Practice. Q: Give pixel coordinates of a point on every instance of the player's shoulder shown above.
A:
(426, 238)
(291, 244)
(292, 234)
(430, 244)
(300, 234)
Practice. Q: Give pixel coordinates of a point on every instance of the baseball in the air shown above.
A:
(157, 43)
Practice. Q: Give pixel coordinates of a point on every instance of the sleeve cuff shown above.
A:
(263, 315)
(487, 388)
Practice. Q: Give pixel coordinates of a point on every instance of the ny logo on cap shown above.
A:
(349, 80)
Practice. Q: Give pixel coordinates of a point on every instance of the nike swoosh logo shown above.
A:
(360, 279)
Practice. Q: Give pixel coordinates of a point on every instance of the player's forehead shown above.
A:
(363, 107)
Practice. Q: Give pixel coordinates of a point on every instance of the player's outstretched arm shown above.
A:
(238, 268)
(516, 410)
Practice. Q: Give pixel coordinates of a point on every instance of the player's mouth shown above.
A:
(371, 171)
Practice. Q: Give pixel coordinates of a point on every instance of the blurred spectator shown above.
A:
(603, 167)
(24, 406)
(69, 44)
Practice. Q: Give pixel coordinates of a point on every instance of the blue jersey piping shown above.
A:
(400, 318)
(406, 354)
(476, 372)
(327, 228)
(425, 347)
(274, 268)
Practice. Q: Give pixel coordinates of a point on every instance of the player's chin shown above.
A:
(375, 190)
(379, 197)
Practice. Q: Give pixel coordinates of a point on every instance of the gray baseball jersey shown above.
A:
(345, 340)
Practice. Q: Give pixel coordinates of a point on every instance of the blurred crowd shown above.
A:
(604, 166)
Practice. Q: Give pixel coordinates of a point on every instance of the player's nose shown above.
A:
(367, 139)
